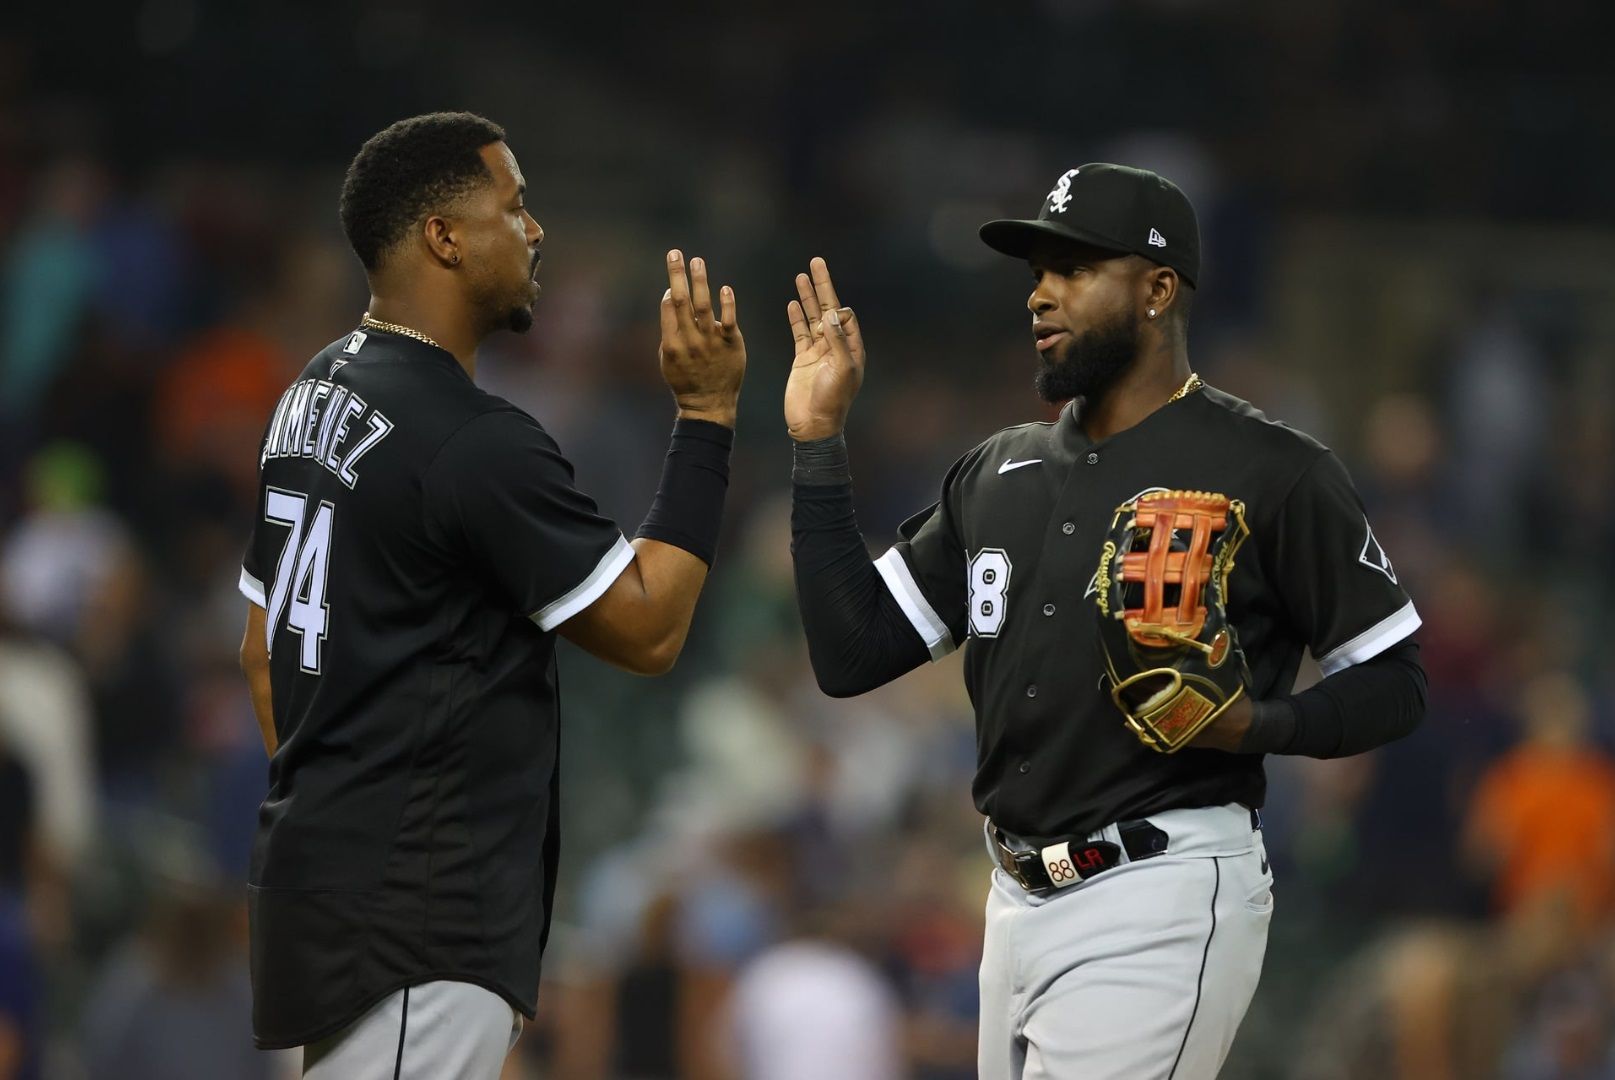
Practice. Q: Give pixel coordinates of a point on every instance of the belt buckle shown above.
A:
(1013, 862)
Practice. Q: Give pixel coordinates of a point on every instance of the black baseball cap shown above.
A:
(1116, 207)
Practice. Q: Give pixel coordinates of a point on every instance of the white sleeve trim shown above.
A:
(590, 589)
(1373, 641)
(252, 588)
(895, 572)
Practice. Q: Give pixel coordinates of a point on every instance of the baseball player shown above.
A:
(418, 545)
(1135, 584)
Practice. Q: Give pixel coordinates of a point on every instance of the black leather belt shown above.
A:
(1083, 858)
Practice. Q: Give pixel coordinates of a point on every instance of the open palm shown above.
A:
(829, 365)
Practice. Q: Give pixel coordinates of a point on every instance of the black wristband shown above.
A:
(1272, 727)
(688, 509)
(820, 462)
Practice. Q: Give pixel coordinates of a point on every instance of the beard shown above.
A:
(501, 304)
(504, 309)
(1091, 363)
(520, 319)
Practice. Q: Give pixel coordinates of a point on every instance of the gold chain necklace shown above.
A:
(393, 328)
(1192, 384)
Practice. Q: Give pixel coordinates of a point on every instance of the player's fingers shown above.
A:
(800, 334)
(823, 288)
(678, 287)
(700, 292)
(728, 311)
(810, 303)
(669, 318)
(836, 335)
(855, 336)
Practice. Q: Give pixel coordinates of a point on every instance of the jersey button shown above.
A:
(1026, 766)
(1093, 458)
(1068, 528)
(1031, 691)
(1048, 609)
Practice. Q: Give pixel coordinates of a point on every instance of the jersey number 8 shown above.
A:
(300, 574)
(989, 584)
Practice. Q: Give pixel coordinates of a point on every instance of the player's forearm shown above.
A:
(672, 579)
(640, 623)
(1350, 712)
(857, 635)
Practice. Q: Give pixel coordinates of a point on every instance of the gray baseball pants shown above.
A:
(1142, 972)
(434, 1031)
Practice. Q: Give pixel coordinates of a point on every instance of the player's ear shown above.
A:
(442, 239)
(1162, 289)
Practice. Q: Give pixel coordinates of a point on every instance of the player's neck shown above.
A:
(451, 332)
(1145, 387)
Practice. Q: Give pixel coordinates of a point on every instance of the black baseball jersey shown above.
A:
(416, 545)
(1006, 561)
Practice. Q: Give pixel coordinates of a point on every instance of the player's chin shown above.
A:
(520, 319)
(520, 316)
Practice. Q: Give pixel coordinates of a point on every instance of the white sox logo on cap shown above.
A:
(1060, 196)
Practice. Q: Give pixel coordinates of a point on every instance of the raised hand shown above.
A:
(829, 364)
(703, 357)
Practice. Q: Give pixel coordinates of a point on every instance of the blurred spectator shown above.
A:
(45, 716)
(51, 272)
(21, 990)
(814, 1009)
(627, 1023)
(1542, 822)
(62, 555)
(1433, 1001)
(175, 1003)
(1568, 1035)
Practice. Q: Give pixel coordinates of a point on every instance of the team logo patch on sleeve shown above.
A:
(1373, 556)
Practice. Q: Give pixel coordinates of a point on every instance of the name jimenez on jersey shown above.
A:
(312, 419)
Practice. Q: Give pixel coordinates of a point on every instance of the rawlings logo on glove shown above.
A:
(1162, 588)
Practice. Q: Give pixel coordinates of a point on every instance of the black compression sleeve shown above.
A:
(1351, 711)
(688, 509)
(858, 637)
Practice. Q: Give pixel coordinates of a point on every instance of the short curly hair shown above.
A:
(409, 170)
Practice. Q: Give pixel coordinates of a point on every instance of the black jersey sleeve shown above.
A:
(254, 570)
(1334, 580)
(1356, 709)
(253, 576)
(500, 493)
(925, 570)
(858, 638)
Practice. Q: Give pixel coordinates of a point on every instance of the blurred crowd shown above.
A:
(1408, 252)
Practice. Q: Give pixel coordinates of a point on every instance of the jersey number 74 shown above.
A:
(299, 588)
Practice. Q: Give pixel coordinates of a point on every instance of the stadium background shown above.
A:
(1410, 251)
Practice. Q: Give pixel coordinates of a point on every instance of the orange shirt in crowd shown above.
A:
(1545, 819)
(215, 399)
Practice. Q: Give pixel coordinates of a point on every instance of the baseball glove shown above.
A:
(1161, 589)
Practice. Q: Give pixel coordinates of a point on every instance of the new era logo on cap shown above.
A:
(1156, 239)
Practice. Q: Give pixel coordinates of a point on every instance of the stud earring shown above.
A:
(1152, 311)
(456, 261)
